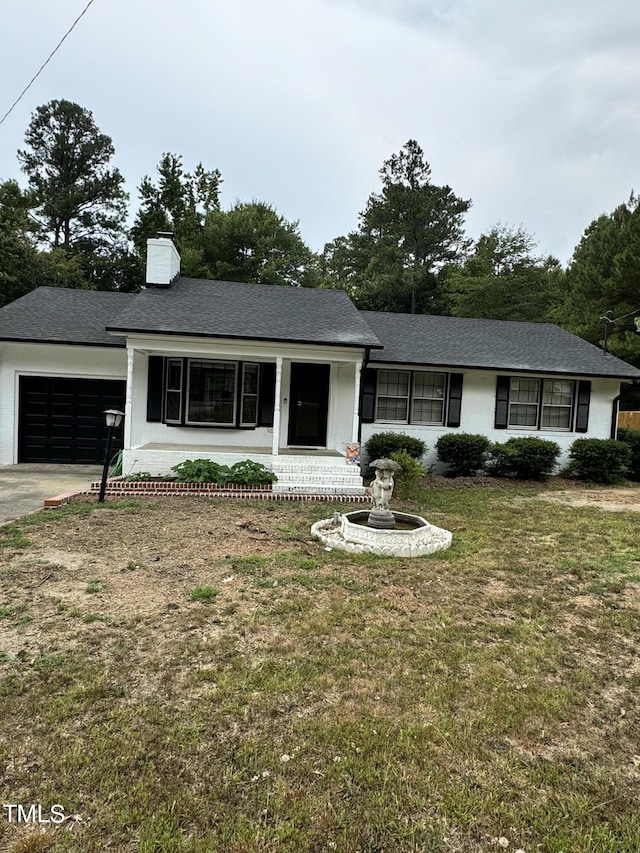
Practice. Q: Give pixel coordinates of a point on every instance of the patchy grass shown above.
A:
(204, 593)
(324, 701)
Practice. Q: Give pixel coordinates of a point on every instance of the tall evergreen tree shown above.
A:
(180, 202)
(406, 233)
(604, 275)
(78, 197)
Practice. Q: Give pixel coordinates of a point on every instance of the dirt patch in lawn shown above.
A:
(610, 498)
(97, 572)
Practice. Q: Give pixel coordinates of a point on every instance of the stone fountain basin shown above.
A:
(352, 534)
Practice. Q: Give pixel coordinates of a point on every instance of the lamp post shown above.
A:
(113, 420)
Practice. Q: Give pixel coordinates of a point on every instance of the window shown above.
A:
(173, 394)
(405, 396)
(211, 393)
(393, 396)
(541, 403)
(249, 404)
(429, 391)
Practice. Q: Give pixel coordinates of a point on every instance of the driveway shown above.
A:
(24, 488)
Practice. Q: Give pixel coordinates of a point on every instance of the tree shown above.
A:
(178, 201)
(604, 275)
(78, 198)
(406, 233)
(502, 279)
(253, 242)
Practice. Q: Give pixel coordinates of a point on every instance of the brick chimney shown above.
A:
(163, 260)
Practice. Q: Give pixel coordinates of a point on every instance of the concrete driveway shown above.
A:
(24, 488)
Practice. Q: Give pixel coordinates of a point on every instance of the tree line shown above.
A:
(408, 253)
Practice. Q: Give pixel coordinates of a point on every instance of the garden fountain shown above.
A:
(382, 530)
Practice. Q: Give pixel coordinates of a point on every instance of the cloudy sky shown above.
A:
(531, 110)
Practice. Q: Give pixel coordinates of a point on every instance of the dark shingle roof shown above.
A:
(239, 310)
(63, 316)
(489, 344)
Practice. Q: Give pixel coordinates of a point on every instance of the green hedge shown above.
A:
(464, 453)
(599, 460)
(631, 437)
(383, 444)
(244, 473)
(527, 458)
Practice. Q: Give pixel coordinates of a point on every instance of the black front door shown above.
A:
(308, 404)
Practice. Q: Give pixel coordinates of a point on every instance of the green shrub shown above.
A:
(139, 477)
(599, 460)
(631, 437)
(250, 473)
(528, 458)
(463, 452)
(407, 479)
(200, 471)
(244, 473)
(383, 444)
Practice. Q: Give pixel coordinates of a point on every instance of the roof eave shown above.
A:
(310, 342)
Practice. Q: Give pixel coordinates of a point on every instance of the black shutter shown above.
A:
(155, 388)
(368, 395)
(455, 400)
(267, 394)
(503, 383)
(582, 407)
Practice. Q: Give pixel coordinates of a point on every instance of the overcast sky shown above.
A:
(529, 109)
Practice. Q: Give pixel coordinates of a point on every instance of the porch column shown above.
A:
(128, 407)
(355, 428)
(275, 446)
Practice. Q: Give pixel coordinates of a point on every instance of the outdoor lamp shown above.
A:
(113, 419)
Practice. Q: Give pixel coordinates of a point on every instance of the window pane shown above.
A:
(428, 385)
(393, 383)
(250, 379)
(557, 417)
(427, 411)
(520, 415)
(524, 391)
(391, 409)
(212, 392)
(558, 393)
(174, 375)
(249, 411)
(172, 406)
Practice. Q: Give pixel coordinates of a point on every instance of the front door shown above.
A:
(308, 404)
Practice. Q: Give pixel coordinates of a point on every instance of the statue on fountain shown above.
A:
(381, 491)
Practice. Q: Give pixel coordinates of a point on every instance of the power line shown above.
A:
(44, 64)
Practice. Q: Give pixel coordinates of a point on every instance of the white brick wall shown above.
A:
(478, 412)
(163, 261)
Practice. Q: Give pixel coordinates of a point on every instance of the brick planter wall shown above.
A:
(119, 487)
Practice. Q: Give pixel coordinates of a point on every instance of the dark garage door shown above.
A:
(62, 420)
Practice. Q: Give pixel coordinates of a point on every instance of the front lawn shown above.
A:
(199, 675)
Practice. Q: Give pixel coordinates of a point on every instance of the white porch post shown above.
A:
(128, 407)
(276, 408)
(356, 403)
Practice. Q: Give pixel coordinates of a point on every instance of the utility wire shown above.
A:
(44, 64)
